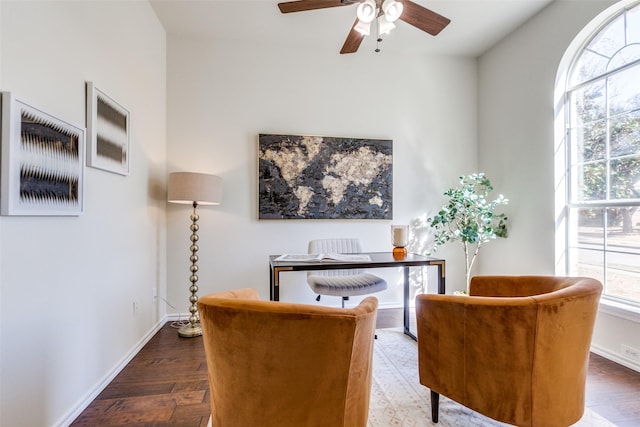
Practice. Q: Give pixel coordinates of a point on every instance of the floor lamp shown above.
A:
(194, 189)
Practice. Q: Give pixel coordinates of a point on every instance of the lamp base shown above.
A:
(190, 331)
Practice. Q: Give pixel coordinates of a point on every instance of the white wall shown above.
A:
(67, 284)
(516, 146)
(222, 94)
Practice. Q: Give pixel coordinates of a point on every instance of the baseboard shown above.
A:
(390, 306)
(349, 304)
(70, 416)
(615, 357)
(177, 317)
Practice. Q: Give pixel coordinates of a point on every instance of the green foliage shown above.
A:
(469, 217)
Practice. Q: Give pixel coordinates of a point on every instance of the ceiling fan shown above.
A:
(384, 12)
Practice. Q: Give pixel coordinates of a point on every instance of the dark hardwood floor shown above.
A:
(165, 384)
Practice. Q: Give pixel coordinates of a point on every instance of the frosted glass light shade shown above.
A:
(366, 11)
(189, 187)
(384, 26)
(363, 27)
(392, 10)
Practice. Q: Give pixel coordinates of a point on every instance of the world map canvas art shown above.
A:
(317, 177)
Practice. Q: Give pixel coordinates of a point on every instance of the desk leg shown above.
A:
(274, 282)
(407, 311)
(271, 284)
(441, 274)
(276, 287)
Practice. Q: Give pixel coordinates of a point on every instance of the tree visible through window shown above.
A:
(603, 130)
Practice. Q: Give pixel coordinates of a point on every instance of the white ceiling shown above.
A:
(475, 24)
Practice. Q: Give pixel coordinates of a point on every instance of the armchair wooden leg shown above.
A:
(435, 400)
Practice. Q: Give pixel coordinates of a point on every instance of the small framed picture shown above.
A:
(42, 162)
(108, 129)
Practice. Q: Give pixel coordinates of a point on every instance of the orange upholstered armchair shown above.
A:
(287, 365)
(515, 350)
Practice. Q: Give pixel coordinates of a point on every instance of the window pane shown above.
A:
(589, 181)
(624, 57)
(590, 227)
(624, 281)
(624, 91)
(588, 104)
(623, 252)
(588, 263)
(622, 225)
(590, 142)
(633, 25)
(589, 65)
(625, 178)
(612, 38)
(625, 134)
(587, 249)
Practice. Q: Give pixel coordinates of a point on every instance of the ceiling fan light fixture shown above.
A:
(384, 26)
(392, 10)
(367, 11)
(384, 12)
(363, 28)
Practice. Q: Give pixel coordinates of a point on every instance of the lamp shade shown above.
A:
(189, 187)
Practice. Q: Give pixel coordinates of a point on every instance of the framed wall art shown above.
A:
(42, 162)
(316, 177)
(108, 130)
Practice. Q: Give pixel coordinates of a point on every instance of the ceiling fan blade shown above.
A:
(423, 18)
(352, 43)
(302, 5)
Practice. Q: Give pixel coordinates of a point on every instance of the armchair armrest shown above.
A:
(515, 286)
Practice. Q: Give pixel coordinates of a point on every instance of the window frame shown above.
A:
(620, 306)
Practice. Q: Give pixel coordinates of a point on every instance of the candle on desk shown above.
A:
(399, 235)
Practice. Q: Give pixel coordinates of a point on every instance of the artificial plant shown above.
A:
(469, 218)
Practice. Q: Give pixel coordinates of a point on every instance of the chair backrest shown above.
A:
(341, 246)
(270, 364)
(518, 286)
(516, 350)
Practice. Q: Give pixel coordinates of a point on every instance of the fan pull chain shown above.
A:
(379, 39)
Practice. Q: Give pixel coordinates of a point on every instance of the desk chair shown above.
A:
(342, 283)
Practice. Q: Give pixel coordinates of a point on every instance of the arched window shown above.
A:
(602, 129)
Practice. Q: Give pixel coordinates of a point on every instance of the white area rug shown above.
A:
(398, 398)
